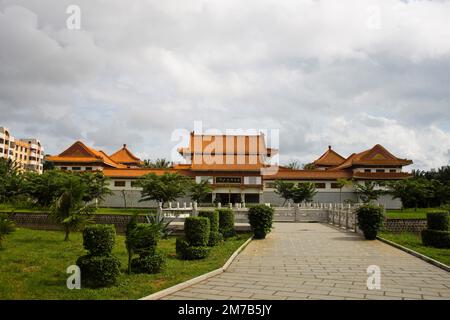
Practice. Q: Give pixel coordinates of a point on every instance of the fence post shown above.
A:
(346, 219)
(219, 205)
(194, 209)
(296, 210)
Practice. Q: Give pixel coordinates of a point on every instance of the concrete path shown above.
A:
(316, 261)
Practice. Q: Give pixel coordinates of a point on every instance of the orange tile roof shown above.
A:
(138, 172)
(125, 156)
(226, 162)
(292, 174)
(329, 158)
(79, 152)
(227, 144)
(378, 155)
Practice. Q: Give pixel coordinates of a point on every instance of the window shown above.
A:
(320, 185)
(88, 169)
(367, 170)
(252, 180)
(380, 170)
(119, 183)
(392, 170)
(75, 168)
(335, 185)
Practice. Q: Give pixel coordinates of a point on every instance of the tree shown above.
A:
(97, 186)
(199, 191)
(294, 165)
(44, 188)
(69, 209)
(367, 191)
(303, 191)
(309, 166)
(164, 188)
(11, 181)
(341, 183)
(160, 163)
(6, 227)
(284, 190)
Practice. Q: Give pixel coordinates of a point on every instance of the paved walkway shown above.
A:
(316, 261)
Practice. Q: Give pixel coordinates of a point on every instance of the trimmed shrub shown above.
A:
(213, 217)
(370, 220)
(153, 263)
(98, 271)
(197, 231)
(260, 218)
(226, 222)
(215, 238)
(187, 252)
(99, 239)
(436, 238)
(143, 238)
(438, 220)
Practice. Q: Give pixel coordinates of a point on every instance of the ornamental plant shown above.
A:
(215, 237)
(6, 227)
(226, 222)
(437, 234)
(370, 220)
(99, 268)
(260, 218)
(194, 245)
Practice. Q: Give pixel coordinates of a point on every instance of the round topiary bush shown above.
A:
(436, 238)
(99, 239)
(197, 231)
(438, 220)
(180, 244)
(260, 218)
(98, 271)
(226, 222)
(370, 220)
(143, 238)
(152, 263)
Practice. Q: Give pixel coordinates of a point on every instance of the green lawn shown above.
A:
(420, 213)
(414, 242)
(33, 266)
(25, 209)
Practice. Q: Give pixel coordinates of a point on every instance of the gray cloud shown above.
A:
(316, 70)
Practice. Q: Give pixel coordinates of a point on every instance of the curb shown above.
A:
(160, 294)
(416, 254)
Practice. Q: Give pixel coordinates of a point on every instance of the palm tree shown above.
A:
(69, 209)
(341, 183)
(199, 191)
(164, 188)
(160, 163)
(304, 191)
(367, 191)
(294, 165)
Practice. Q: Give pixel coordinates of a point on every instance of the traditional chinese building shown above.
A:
(239, 169)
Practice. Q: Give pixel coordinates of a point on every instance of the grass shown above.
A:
(33, 265)
(420, 213)
(28, 209)
(414, 242)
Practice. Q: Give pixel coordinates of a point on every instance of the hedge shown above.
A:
(438, 220)
(153, 263)
(370, 220)
(226, 222)
(98, 271)
(197, 230)
(143, 238)
(436, 238)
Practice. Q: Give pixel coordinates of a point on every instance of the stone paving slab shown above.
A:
(315, 261)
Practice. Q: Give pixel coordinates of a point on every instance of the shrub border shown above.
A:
(416, 254)
(165, 292)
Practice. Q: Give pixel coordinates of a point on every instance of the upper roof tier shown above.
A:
(376, 156)
(126, 157)
(80, 153)
(329, 159)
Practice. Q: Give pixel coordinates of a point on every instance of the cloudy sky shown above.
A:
(349, 74)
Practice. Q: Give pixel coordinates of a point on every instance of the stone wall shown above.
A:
(405, 225)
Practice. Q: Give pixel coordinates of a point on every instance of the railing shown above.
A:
(338, 214)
